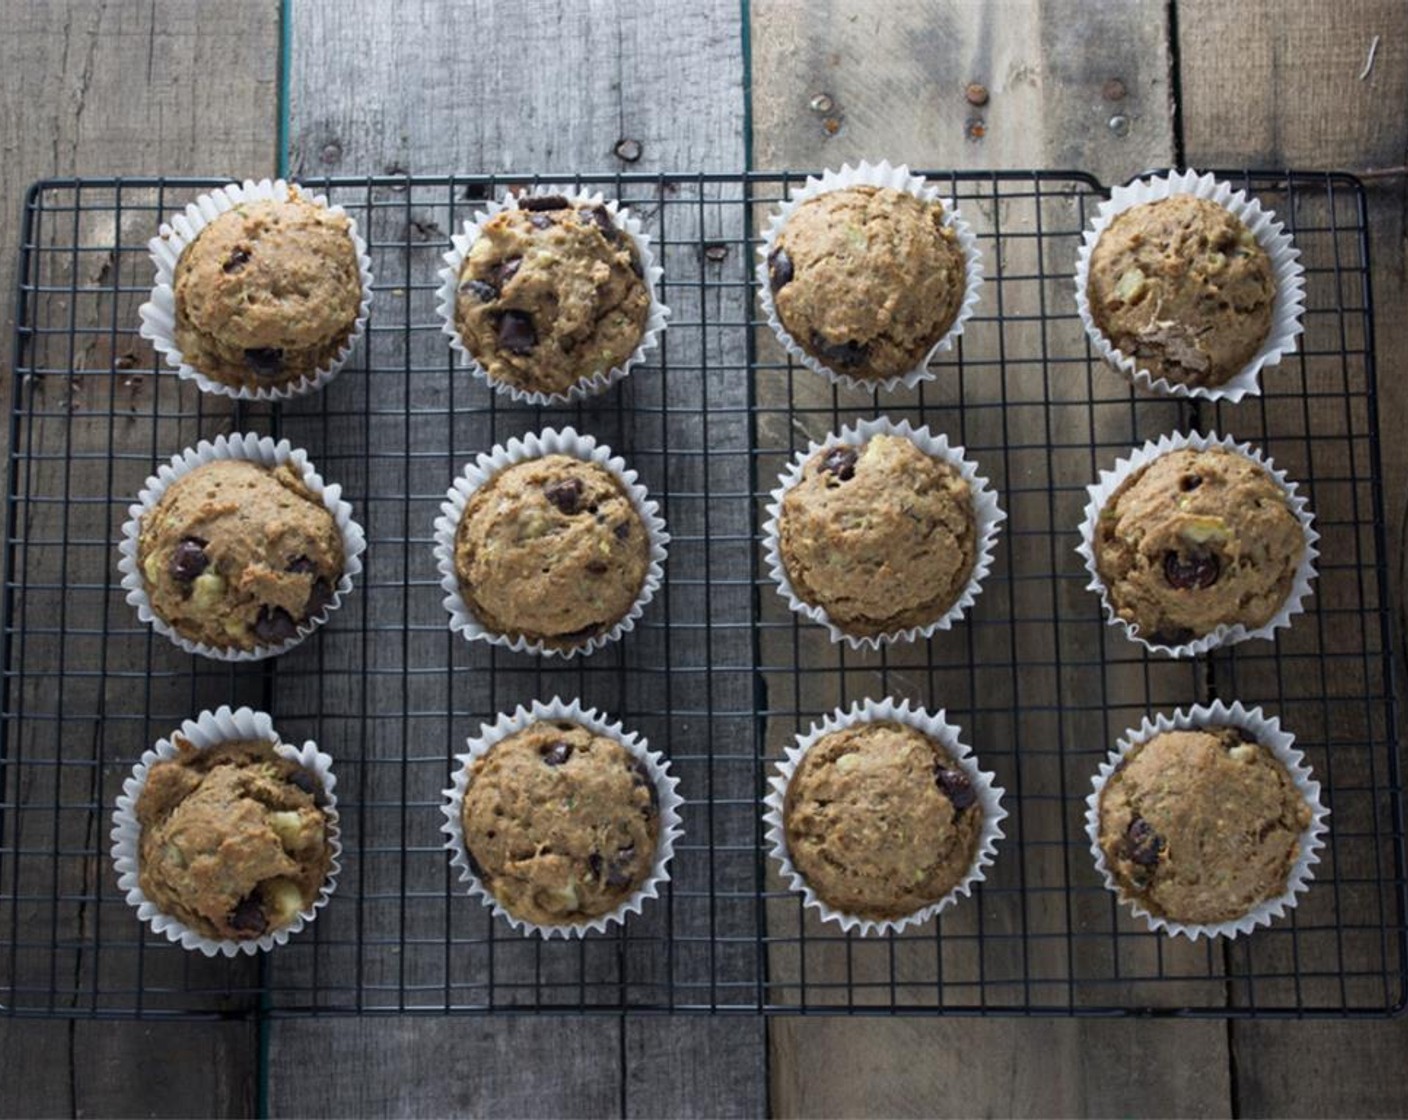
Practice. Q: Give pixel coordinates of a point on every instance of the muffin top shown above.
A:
(867, 279)
(560, 824)
(1182, 287)
(234, 840)
(1201, 826)
(551, 550)
(881, 536)
(1194, 540)
(550, 294)
(267, 293)
(880, 820)
(237, 555)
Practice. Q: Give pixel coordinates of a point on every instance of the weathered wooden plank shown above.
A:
(682, 1067)
(102, 89)
(1278, 86)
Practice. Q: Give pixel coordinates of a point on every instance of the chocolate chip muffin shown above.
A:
(236, 555)
(268, 293)
(867, 279)
(1195, 540)
(880, 820)
(560, 824)
(881, 537)
(1182, 287)
(551, 550)
(1201, 826)
(551, 293)
(234, 839)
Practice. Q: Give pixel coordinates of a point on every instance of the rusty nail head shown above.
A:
(976, 93)
(1114, 90)
(715, 251)
(974, 128)
(628, 150)
(831, 126)
(332, 152)
(822, 103)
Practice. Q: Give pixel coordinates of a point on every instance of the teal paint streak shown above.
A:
(285, 66)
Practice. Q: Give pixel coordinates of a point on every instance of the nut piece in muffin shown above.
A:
(880, 820)
(867, 280)
(551, 550)
(560, 824)
(1195, 540)
(1201, 826)
(268, 293)
(234, 839)
(880, 536)
(1182, 287)
(236, 555)
(550, 294)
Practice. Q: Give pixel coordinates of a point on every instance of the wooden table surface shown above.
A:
(171, 87)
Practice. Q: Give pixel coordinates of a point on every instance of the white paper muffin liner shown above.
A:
(207, 730)
(601, 380)
(1270, 234)
(1111, 480)
(987, 517)
(256, 449)
(1266, 730)
(158, 314)
(880, 174)
(937, 727)
(655, 763)
(534, 446)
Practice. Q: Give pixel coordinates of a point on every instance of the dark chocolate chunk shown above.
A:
(265, 362)
(601, 217)
(594, 862)
(507, 271)
(1195, 572)
(596, 567)
(845, 353)
(555, 754)
(1190, 482)
(319, 596)
(248, 917)
(841, 461)
(779, 268)
(237, 259)
(534, 202)
(640, 776)
(300, 564)
(566, 495)
(188, 559)
(1172, 636)
(484, 293)
(476, 869)
(305, 781)
(622, 531)
(516, 332)
(954, 785)
(273, 625)
(618, 871)
(1142, 844)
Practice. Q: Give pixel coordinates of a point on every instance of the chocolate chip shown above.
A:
(543, 202)
(954, 785)
(596, 567)
(566, 495)
(237, 260)
(304, 781)
(779, 268)
(841, 461)
(188, 559)
(484, 293)
(248, 917)
(622, 531)
(516, 333)
(265, 362)
(847, 353)
(274, 624)
(299, 565)
(636, 266)
(640, 776)
(1142, 844)
(555, 754)
(319, 596)
(601, 218)
(540, 221)
(618, 871)
(474, 866)
(594, 862)
(1190, 482)
(1172, 636)
(1191, 573)
(507, 271)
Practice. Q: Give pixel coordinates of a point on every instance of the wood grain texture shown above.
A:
(848, 80)
(97, 89)
(690, 1067)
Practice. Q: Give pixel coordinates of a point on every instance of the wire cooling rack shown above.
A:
(720, 674)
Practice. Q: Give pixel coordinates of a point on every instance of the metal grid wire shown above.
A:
(719, 673)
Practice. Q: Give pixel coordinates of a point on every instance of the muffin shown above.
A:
(560, 823)
(551, 293)
(867, 280)
(880, 536)
(551, 550)
(880, 820)
(1195, 540)
(268, 293)
(1182, 287)
(234, 839)
(1200, 826)
(236, 555)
